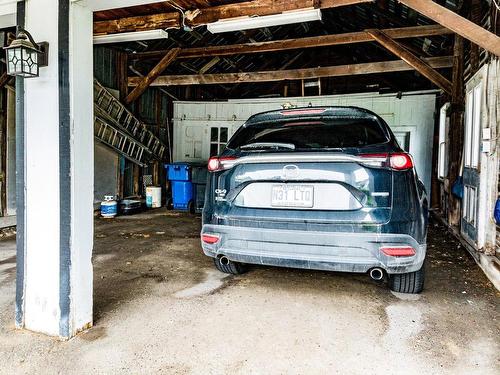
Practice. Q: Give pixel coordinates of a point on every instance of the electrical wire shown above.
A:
(183, 13)
(497, 4)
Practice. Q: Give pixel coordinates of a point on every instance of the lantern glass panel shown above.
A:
(30, 62)
(14, 56)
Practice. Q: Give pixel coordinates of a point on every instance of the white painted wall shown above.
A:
(8, 7)
(414, 113)
(96, 5)
(8, 10)
(11, 152)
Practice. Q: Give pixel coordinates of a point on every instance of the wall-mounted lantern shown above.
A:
(24, 56)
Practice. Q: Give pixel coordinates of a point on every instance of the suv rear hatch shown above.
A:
(304, 188)
(297, 172)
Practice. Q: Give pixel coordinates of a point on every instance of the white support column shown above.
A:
(56, 295)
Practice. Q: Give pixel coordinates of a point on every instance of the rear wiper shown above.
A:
(264, 145)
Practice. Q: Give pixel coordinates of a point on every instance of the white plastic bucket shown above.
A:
(153, 197)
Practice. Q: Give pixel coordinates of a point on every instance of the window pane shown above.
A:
(468, 128)
(314, 135)
(214, 149)
(472, 206)
(477, 125)
(223, 135)
(214, 134)
(465, 208)
(441, 162)
(403, 139)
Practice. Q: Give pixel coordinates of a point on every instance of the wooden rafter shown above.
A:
(293, 74)
(460, 25)
(299, 43)
(197, 17)
(152, 75)
(414, 61)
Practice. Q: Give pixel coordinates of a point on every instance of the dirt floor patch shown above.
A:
(161, 307)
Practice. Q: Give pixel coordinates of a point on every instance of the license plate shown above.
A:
(286, 195)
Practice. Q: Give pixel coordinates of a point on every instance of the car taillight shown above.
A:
(210, 238)
(213, 164)
(216, 164)
(397, 161)
(398, 251)
(400, 162)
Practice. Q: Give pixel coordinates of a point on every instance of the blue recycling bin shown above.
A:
(178, 172)
(179, 175)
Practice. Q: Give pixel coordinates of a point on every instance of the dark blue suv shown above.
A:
(317, 188)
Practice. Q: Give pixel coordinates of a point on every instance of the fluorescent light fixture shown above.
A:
(246, 23)
(130, 37)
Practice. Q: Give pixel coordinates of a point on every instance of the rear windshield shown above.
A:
(313, 135)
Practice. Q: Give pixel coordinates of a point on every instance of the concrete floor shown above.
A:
(162, 308)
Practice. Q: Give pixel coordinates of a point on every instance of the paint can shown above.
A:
(153, 197)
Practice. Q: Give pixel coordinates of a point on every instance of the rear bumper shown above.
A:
(329, 251)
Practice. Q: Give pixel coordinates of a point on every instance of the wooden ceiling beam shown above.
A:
(414, 61)
(290, 44)
(453, 21)
(202, 16)
(293, 74)
(152, 75)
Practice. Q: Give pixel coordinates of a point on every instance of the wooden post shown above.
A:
(137, 176)
(456, 131)
(121, 74)
(155, 170)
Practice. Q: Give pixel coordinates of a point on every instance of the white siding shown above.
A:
(413, 113)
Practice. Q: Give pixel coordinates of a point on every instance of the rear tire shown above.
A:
(232, 268)
(191, 208)
(170, 204)
(411, 282)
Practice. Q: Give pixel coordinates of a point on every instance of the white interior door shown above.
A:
(471, 163)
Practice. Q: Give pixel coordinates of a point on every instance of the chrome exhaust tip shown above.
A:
(224, 260)
(377, 274)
